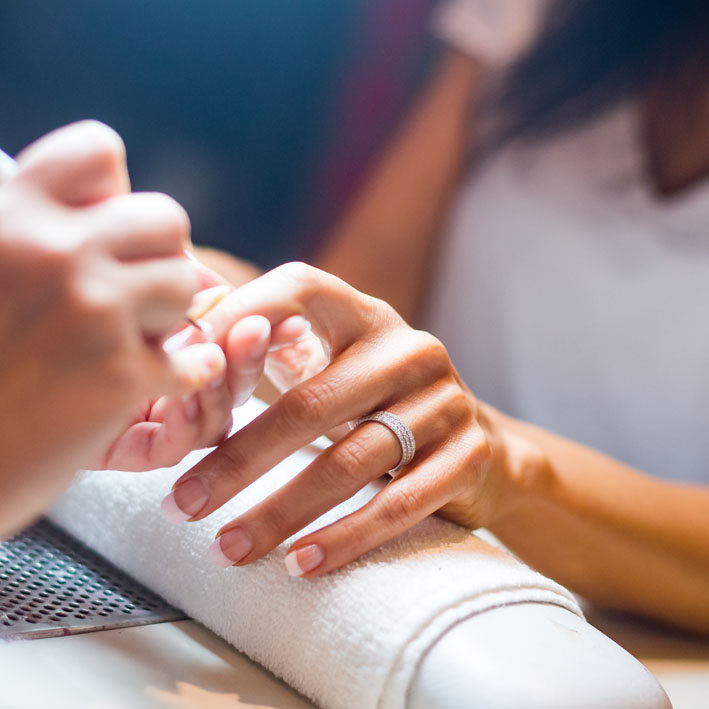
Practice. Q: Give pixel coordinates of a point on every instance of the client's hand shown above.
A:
(375, 362)
(93, 280)
(164, 430)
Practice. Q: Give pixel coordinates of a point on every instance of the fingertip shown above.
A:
(197, 366)
(171, 512)
(249, 338)
(305, 560)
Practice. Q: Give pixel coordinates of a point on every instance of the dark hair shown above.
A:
(592, 53)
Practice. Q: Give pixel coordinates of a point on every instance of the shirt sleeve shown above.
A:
(495, 32)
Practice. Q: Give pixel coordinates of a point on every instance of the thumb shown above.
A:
(194, 368)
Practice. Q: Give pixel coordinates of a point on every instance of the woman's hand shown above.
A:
(164, 430)
(93, 280)
(374, 361)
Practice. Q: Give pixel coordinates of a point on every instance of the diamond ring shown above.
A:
(402, 432)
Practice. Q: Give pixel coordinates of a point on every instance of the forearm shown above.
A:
(618, 537)
(383, 245)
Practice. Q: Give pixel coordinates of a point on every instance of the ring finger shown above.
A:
(365, 454)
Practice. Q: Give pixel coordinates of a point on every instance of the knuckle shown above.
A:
(277, 525)
(402, 507)
(297, 271)
(307, 281)
(358, 535)
(345, 464)
(306, 405)
(425, 357)
(230, 462)
(174, 220)
(384, 315)
(477, 446)
(457, 406)
(433, 350)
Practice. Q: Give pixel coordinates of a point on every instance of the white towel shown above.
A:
(352, 639)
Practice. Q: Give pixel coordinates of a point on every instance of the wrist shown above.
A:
(524, 472)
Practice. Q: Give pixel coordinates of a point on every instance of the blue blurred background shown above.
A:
(231, 106)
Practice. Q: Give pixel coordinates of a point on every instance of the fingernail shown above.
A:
(185, 501)
(259, 347)
(229, 548)
(205, 328)
(215, 363)
(303, 560)
(178, 341)
(307, 327)
(218, 380)
(190, 404)
(207, 299)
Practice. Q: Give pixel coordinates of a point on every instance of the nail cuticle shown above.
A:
(185, 501)
(304, 560)
(230, 548)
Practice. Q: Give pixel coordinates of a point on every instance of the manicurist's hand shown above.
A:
(374, 362)
(93, 281)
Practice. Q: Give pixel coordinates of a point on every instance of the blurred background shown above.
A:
(261, 117)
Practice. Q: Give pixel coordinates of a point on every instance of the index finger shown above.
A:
(338, 313)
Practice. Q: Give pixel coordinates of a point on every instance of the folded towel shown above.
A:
(352, 639)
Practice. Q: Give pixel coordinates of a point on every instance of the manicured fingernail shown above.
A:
(218, 380)
(202, 364)
(259, 347)
(190, 404)
(229, 548)
(214, 363)
(205, 300)
(303, 560)
(205, 328)
(178, 341)
(185, 501)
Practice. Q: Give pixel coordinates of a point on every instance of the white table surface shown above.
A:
(182, 665)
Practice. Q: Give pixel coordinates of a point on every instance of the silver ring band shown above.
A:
(402, 432)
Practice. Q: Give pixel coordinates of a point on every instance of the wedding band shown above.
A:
(402, 432)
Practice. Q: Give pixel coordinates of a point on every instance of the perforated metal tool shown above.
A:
(50, 585)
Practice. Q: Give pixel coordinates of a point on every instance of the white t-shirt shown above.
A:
(570, 296)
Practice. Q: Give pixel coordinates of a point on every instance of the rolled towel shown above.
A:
(352, 639)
